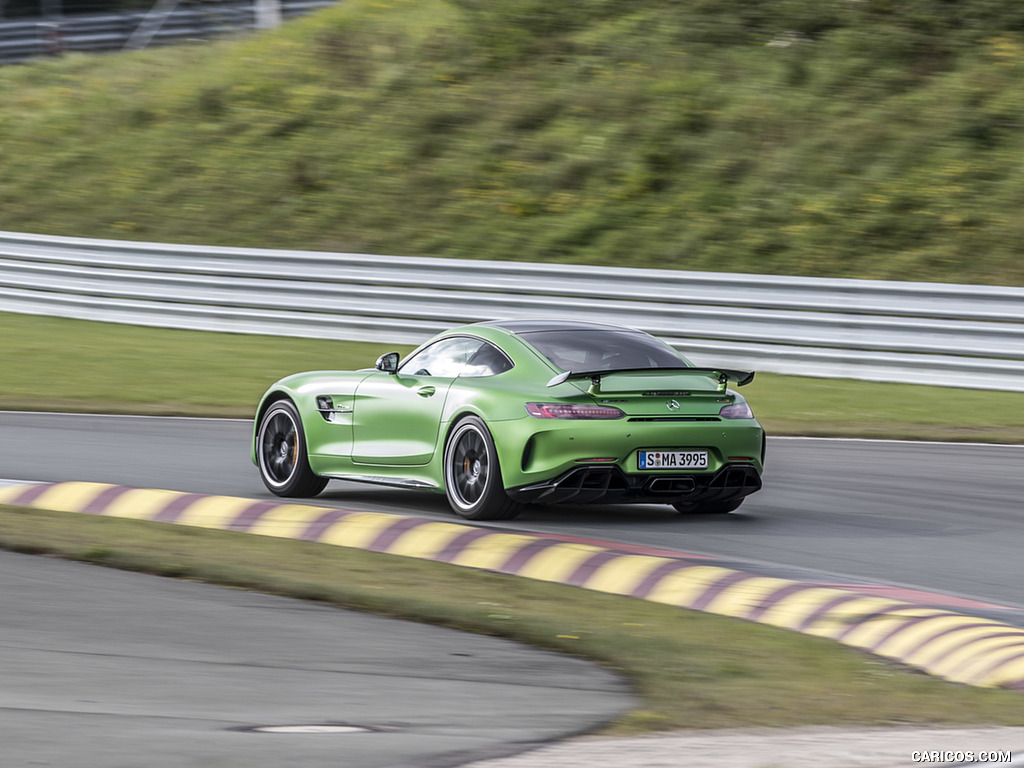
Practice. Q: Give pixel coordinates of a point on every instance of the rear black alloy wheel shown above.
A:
(708, 507)
(281, 453)
(472, 477)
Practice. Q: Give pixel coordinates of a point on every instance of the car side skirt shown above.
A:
(395, 482)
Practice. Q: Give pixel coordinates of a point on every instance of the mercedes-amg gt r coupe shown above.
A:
(505, 413)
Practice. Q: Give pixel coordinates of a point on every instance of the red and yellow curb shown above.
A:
(957, 647)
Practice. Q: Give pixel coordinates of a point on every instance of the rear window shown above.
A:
(582, 350)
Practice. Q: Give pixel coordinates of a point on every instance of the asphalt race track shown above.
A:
(108, 669)
(125, 665)
(939, 517)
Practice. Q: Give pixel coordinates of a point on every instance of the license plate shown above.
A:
(673, 459)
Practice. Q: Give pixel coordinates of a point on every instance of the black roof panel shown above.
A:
(535, 326)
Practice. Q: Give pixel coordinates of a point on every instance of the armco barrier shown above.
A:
(932, 333)
(29, 38)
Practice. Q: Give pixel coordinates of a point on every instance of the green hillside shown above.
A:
(857, 138)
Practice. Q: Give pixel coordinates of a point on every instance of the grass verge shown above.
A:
(854, 139)
(74, 365)
(691, 670)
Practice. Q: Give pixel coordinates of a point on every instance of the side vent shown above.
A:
(527, 454)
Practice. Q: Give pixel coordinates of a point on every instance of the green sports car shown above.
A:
(506, 413)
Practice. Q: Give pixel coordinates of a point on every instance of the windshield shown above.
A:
(602, 350)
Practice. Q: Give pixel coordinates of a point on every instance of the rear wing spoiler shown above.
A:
(723, 375)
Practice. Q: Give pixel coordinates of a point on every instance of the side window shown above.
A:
(446, 358)
(486, 361)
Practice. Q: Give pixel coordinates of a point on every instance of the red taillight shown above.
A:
(572, 411)
(736, 411)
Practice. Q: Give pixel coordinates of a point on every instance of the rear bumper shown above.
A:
(610, 485)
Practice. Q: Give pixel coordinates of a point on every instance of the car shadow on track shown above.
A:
(435, 506)
(629, 515)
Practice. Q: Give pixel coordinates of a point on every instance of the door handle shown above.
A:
(425, 391)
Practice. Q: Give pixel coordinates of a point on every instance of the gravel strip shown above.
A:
(811, 747)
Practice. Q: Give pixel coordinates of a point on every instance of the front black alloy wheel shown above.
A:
(281, 453)
(472, 477)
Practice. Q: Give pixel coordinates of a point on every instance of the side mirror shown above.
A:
(388, 362)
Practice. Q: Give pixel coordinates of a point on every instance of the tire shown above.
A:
(281, 453)
(472, 476)
(708, 507)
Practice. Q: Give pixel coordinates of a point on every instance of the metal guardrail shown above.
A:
(24, 39)
(932, 333)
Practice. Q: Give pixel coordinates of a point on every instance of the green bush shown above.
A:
(875, 138)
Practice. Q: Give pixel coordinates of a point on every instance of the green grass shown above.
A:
(691, 670)
(867, 139)
(793, 405)
(59, 364)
